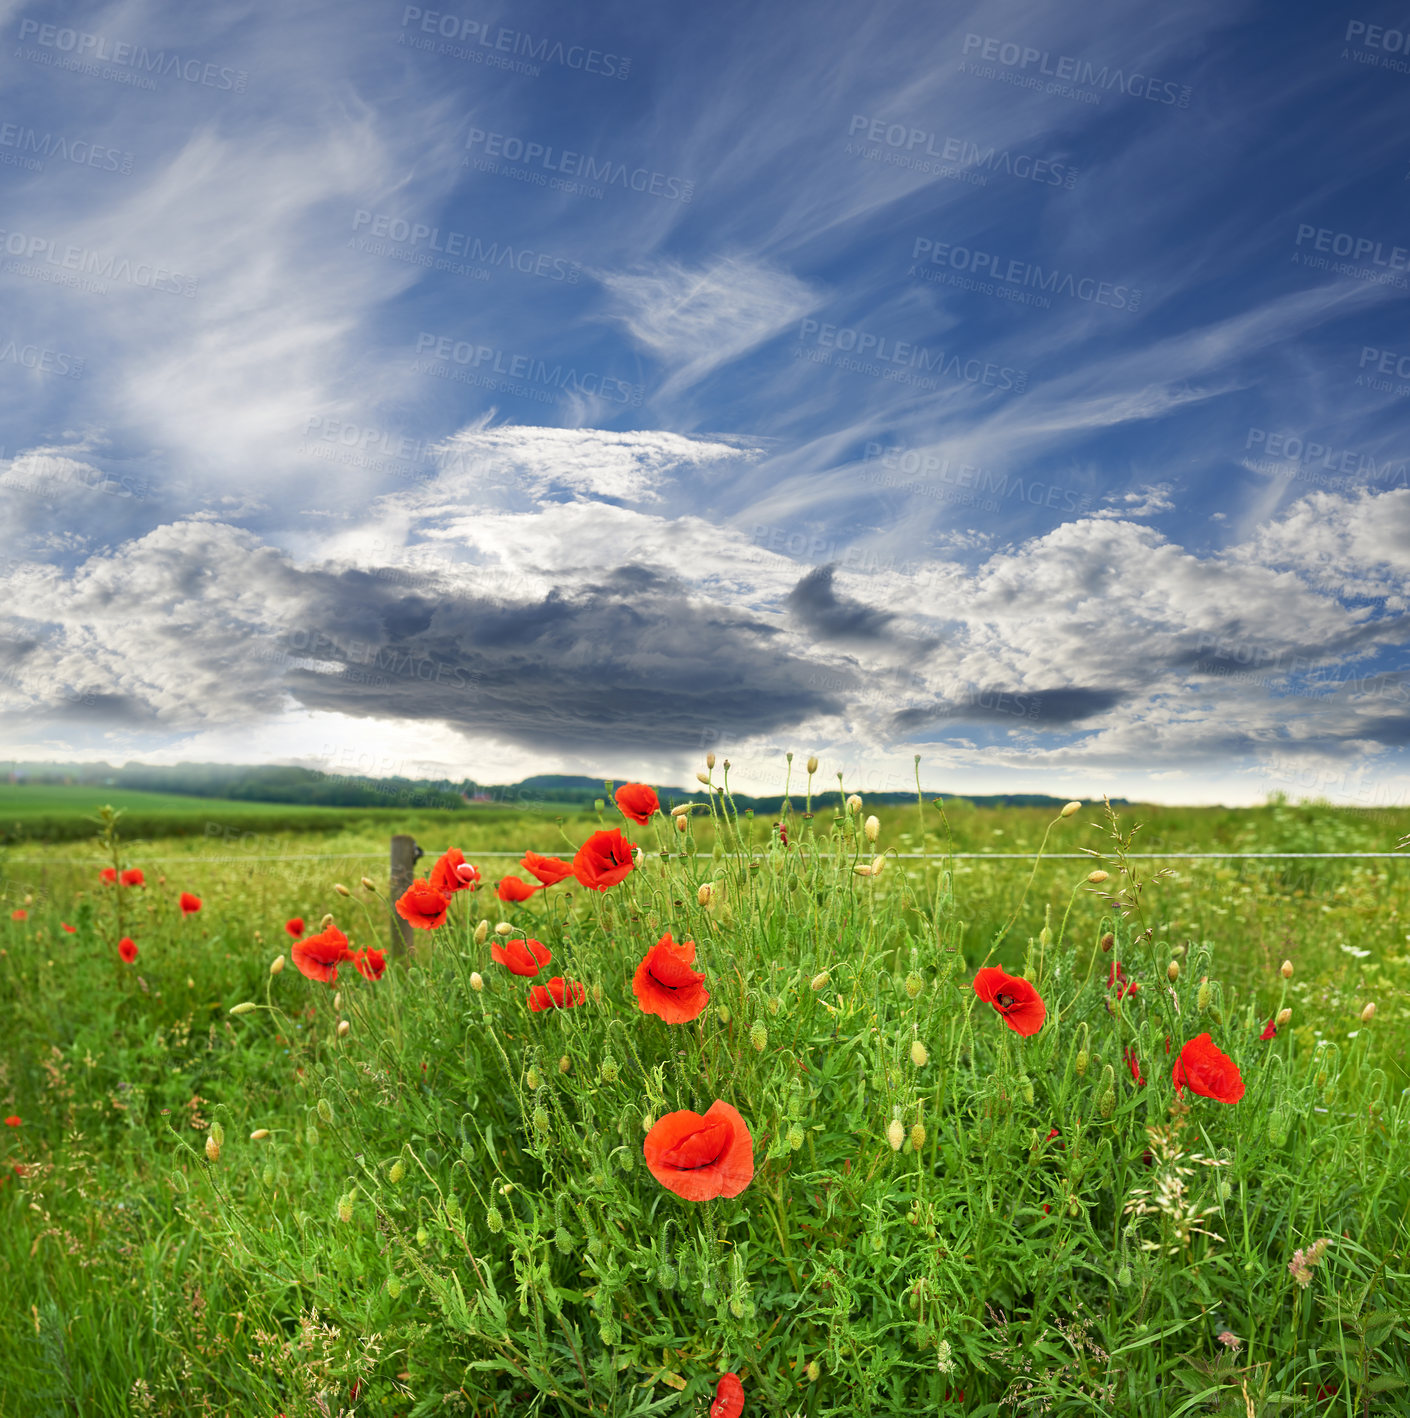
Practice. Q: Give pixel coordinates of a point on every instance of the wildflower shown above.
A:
(108, 876)
(1287, 970)
(637, 802)
(1230, 1340)
(189, 904)
(521, 957)
(896, 1134)
(68, 929)
(295, 926)
(1369, 1013)
(729, 1397)
(371, 963)
(1303, 1263)
(1116, 979)
(422, 906)
(700, 1157)
(14, 1121)
(127, 948)
(665, 983)
(1205, 1070)
(1134, 1065)
(446, 876)
(19, 915)
(276, 965)
(557, 994)
(1070, 808)
(319, 956)
(1016, 999)
(1269, 1029)
(341, 889)
(514, 889)
(604, 860)
(133, 877)
(549, 870)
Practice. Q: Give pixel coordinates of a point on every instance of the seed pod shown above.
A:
(477, 981)
(259, 1134)
(759, 1035)
(919, 1056)
(1106, 942)
(917, 1136)
(345, 1208)
(1098, 876)
(325, 1110)
(276, 965)
(481, 932)
(1070, 808)
(819, 981)
(1287, 969)
(896, 1134)
(396, 1172)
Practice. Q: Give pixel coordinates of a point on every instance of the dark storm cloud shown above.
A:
(1039, 708)
(816, 606)
(628, 663)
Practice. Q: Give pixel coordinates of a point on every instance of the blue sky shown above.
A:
(495, 391)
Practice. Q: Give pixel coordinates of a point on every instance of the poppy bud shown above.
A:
(533, 1078)
(648, 1121)
(609, 1072)
(709, 760)
(795, 1136)
(1025, 1089)
(311, 1135)
(541, 1119)
(481, 931)
(819, 981)
(393, 1286)
(422, 1235)
(703, 778)
(1070, 808)
(248, 1007)
(212, 1149)
(1287, 970)
(337, 1000)
(705, 893)
(814, 1369)
(493, 1219)
(477, 981)
(345, 1208)
(396, 1172)
(268, 1174)
(1284, 1015)
(276, 965)
(681, 824)
(259, 1134)
(1202, 997)
(1083, 1059)
(218, 1133)
(564, 1064)
(1277, 1128)
(759, 1035)
(773, 1004)
(917, 1136)
(878, 865)
(1369, 1013)
(326, 921)
(1123, 1276)
(812, 764)
(369, 883)
(341, 889)
(854, 804)
(325, 1110)
(896, 1134)
(1172, 971)
(1098, 876)
(724, 1014)
(919, 1057)
(872, 827)
(1107, 941)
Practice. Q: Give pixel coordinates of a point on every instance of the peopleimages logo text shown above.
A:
(481, 33)
(488, 367)
(961, 151)
(454, 244)
(992, 267)
(98, 48)
(542, 158)
(903, 355)
(1078, 71)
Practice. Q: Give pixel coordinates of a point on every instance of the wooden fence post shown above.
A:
(405, 854)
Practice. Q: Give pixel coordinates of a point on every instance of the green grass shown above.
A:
(139, 1276)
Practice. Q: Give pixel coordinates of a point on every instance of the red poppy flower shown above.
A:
(447, 877)
(133, 877)
(665, 984)
(729, 1397)
(549, 870)
(1116, 978)
(513, 889)
(370, 963)
(127, 948)
(557, 994)
(638, 802)
(1134, 1065)
(68, 929)
(1270, 1029)
(319, 956)
(1204, 1069)
(295, 926)
(189, 904)
(1015, 998)
(701, 1157)
(109, 875)
(604, 860)
(521, 957)
(1054, 1132)
(13, 1121)
(422, 906)
(19, 915)
(783, 833)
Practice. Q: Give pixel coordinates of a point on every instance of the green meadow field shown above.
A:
(446, 1205)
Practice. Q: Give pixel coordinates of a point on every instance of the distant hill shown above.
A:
(281, 783)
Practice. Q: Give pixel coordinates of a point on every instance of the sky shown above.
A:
(543, 388)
